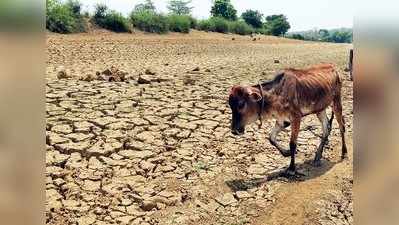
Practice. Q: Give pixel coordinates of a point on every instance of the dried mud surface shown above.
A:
(161, 152)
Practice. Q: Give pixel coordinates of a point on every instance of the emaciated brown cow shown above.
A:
(291, 95)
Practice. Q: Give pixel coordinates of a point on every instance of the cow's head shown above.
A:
(245, 105)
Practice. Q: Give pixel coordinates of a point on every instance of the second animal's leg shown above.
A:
(322, 116)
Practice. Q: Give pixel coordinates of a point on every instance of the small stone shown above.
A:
(149, 72)
(196, 68)
(144, 80)
(124, 219)
(226, 199)
(242, 195)
(147, 166)
(62, 74)
(147, 205)
(86, 220)
(276, 61)
(90, 185)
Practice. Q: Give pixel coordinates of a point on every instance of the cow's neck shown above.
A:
(273, 107)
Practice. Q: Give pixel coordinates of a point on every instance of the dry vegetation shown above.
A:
(161, 152)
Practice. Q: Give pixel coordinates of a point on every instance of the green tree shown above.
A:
(277, 24)
(180, 7)
(324, 35)
(64, 17)
(224, 9)
(341, 37)
(148, 5)
(253, 18)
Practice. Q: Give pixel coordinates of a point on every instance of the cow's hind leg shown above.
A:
(337, 108)
(326, 127)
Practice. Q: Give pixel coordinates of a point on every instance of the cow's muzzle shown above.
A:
(238, 131)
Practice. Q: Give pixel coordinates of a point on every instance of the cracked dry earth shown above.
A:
(162, 152)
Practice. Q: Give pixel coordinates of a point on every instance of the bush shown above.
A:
(298, 37)
(179, 23)
(220, 25)
(263, 31)
(149, 21)
(110, 19)
(64, 17)
(206, 25)
(193, 22)
(240, 27)
(215, 24)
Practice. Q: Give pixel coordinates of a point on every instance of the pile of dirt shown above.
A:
(112, 74)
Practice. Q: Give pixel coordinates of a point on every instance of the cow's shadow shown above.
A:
(308, 170)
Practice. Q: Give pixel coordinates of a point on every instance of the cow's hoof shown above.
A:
(289, 173)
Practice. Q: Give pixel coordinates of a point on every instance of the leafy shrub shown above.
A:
(64, 17)
(193, 22)
(220, 25)
(178, 23)
(263, 30)
(110, 19)
(206, 25)
(298, 37)
(215, 24)
(149, 21)
(240, 27)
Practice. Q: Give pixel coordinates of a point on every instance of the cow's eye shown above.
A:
(241, 105)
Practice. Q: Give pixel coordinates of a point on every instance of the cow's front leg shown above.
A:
(273, 135)
(295, 125)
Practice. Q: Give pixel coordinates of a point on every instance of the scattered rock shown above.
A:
(196, 69)
(207, 70)
(226, 199)
(143, 80)
(147, 205)
(148, 71)
(276, 61)
(242, 195)
(63, 74)
(88, 78)
(112, 74)
(188, 80)
(233, 39)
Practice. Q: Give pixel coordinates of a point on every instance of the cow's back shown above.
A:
(309, 90)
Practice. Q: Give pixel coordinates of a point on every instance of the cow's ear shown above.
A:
(255, 96)
(236, 90)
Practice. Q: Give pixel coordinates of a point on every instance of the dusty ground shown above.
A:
(162, 153)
